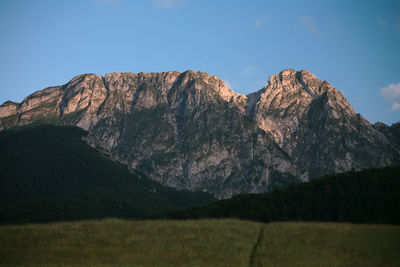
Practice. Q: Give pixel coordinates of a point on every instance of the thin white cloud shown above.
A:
(361, 97)
(397, 24)
(168, 3)
(259, 21)
(391, 92)
(382, 22)
(395, 106)
(393, 24)
(309, 24)
(335, 25)
(109, 1)
(248, 69)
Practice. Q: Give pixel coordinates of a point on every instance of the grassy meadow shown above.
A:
(199, 243)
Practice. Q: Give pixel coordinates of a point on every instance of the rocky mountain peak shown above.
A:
(9, 108)
(10, 103)
(279, 107)
(298, 110)
(190, 130)
(290, 81)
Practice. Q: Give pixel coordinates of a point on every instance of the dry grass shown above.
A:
(119, 242)
(328, 244)
(199, 243)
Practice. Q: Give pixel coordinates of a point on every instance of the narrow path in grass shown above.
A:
(255, 257)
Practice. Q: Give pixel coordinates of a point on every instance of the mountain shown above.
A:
(368, 196)
(392, 132)
(314, 123)
(189, 130)
(48, 173)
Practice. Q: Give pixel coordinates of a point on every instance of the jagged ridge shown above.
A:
(189, 130)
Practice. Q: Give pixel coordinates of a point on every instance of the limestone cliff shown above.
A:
(189, 130)
(314, 123)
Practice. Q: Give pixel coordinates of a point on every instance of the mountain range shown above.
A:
(190, 131)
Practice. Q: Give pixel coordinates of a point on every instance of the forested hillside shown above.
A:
(48, 173)
(369, 196)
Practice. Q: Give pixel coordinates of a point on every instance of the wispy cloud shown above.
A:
(395, 106)
(383, 23)
(248, 69)
(391, 92)
(168, 3)
(393, 24)
(397, 24)
(335, 25)
(309, 24)
(109, 1)
(259, 21)
(361, 97)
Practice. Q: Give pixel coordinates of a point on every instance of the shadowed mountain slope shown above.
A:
(48, 173)
(189, 130)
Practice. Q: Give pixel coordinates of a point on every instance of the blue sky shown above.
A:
(355, 45)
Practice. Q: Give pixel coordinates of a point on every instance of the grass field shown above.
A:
(199, 243)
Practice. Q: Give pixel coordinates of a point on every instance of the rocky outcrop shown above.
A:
(392, 133)
(39, 106)
(189, 130)
(314, 123)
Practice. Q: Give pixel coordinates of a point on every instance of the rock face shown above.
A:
(189, 130)
(317, 127)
